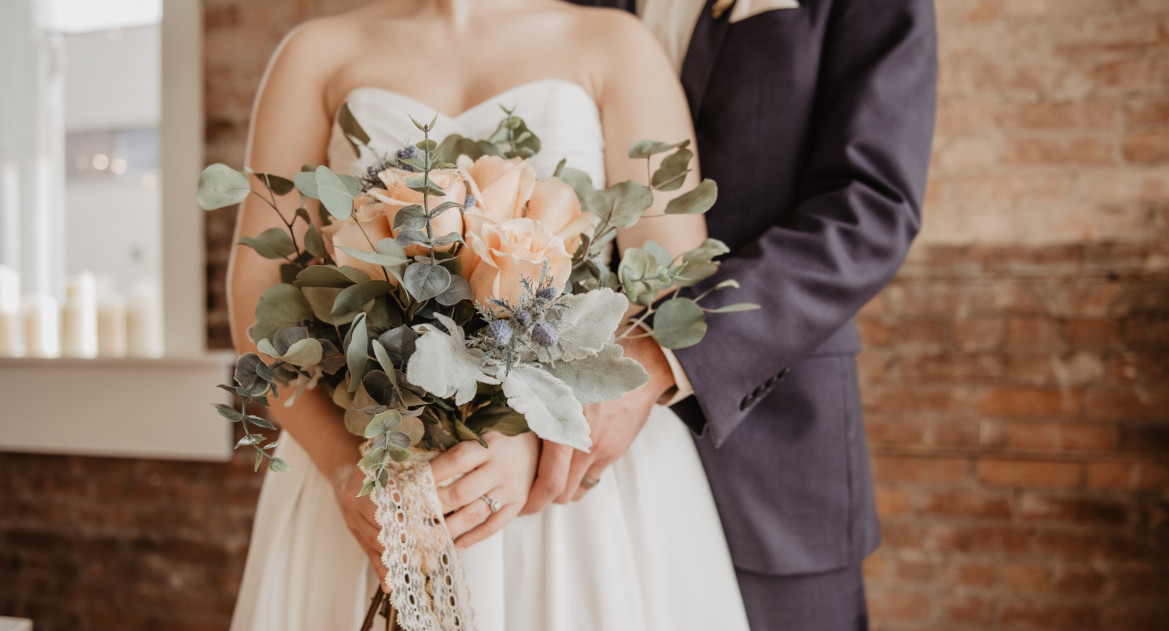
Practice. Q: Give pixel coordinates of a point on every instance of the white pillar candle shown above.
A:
(11, 331)
(79, 317)
(42, 336)
(144, 323)
(111, 327)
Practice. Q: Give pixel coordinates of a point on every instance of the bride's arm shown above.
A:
(640, 99)
(290, 127)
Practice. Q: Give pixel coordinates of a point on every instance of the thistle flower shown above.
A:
(544, 334)
(522, 317)
(499, 333)
(547, 293)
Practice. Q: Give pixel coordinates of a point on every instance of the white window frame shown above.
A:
(153, 408)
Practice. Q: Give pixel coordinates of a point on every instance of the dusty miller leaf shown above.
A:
(548, 405)
(589, 322)
(605, 376)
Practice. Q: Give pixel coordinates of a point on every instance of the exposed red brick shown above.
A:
(1030, 473)
(1021, 402)
(920, 470)
(1147, 148)
(1082, 150)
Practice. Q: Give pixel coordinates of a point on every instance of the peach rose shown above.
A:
(397, 195)
(555, 206)
(502, 254)
(346, 233)
(501, 186)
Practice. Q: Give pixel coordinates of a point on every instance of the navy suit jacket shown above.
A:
(816, 123)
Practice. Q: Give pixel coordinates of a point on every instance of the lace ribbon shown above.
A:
(429, 588)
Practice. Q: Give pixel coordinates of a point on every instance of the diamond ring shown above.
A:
(493, 504)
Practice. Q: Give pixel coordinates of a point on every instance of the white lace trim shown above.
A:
(429, 588)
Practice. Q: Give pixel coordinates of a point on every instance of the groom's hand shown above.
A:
(614, 425)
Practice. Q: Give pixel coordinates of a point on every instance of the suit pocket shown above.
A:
(744, 9)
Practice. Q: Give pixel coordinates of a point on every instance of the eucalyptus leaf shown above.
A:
(699, 264)
(314, 243)
(424, 185)
(425, 281)
(353, 131)
(695, 201)
(229, 413)
(321, 301)
(500, 418)
(382, 356)
(548, 406)
(382, 423)
(279, 306)
(399, 343)
(580, 182)
(276, 184)
(622, 204)
(304, 353)
(278, 465)
(273, 243)
(413, 216)
(221, 186)
(356, 353)
(672, 172)
(306, 183)
(259, 421)
(646, 148)
(323, 276)
(458, 290)
(377, 258)
(335, 194)
(354, 297)
(679, 323)
(734, 308)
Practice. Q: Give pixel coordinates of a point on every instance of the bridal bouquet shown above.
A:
(447, 292)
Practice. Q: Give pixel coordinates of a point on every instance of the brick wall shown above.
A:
(1014, 376)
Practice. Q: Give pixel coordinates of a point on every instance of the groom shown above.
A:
(816, 121)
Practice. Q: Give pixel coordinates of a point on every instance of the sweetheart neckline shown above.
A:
(485, 102)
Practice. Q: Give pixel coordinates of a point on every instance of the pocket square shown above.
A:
(744, 9)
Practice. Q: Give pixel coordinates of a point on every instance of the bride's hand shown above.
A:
(359, 514)
(502, 472)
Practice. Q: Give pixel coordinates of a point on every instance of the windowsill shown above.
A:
(134, 407)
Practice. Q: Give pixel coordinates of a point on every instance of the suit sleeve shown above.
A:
(858, 208)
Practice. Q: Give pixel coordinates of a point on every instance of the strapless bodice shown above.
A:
(561, 113)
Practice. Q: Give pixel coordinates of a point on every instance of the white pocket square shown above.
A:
(744, 9)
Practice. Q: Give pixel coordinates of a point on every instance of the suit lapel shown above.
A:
(698, 66)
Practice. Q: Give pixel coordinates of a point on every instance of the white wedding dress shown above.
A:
(643, 551)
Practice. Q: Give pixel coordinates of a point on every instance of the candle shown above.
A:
(144, 323)
(111, 327)
(42, 337)
(11, 331)
(79, 317)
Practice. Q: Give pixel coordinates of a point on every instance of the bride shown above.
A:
(643, 549)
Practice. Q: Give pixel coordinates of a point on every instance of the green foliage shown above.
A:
(334, 193)
(273, 243)
(279, 306)
(356, 353)
(221, 186)
(425, 281)
(276, 184)
(354, 134)
(679, 323)
(643, 149)
(696, 201)
(622, 204)
(673, 170)
(548, 405)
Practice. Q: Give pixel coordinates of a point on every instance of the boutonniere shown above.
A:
(720, 7)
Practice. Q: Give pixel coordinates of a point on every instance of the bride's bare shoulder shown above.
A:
(621, 46)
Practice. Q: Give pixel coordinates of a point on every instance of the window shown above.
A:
(101, 245)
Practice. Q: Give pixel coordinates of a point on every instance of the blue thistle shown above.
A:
(523, 317)
(469, 203)
(547, 293)
(544, 334)
(499, 333)
(406, 153)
